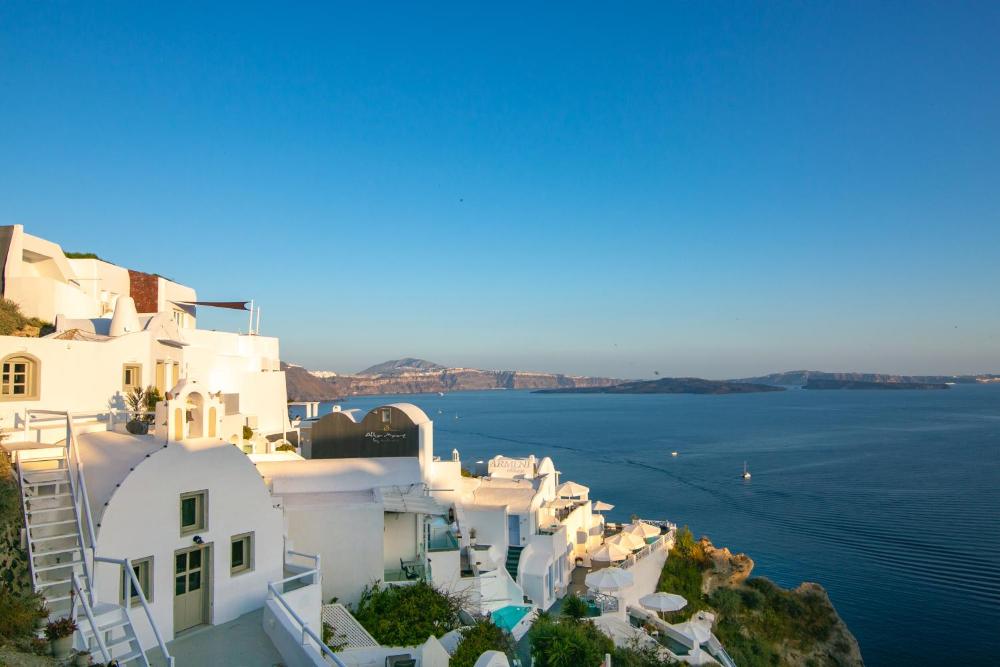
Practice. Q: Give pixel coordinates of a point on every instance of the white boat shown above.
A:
(746, 471)
(673, 453)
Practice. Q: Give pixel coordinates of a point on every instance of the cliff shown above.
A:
(668, 386)
(801, 378)
(404, 377)
(822, 383)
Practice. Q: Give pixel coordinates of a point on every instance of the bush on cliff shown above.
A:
(407, 615)
(479, 638)
(682, 574)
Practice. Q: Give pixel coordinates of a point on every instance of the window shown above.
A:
(386, 414)
(19, 379)
(161, 379)
(131, 377)
(241, 554)
(143, 568)
(194, 512)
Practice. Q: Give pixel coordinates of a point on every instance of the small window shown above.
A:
(386, 414)
(19, 380)
(131, 377)
(193, 512)
(143, 568)
(241, 554)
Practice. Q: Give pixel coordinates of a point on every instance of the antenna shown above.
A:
(250, 325)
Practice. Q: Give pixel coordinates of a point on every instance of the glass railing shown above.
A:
(442, 542)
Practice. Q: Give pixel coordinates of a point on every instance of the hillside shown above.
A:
(418, 376)
(827, 384)
(668, 386)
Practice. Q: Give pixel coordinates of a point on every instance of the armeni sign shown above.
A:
(384, 431)
(501, 466)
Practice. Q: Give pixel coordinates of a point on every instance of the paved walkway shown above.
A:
(238, 643)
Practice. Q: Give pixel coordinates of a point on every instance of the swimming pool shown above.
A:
(509, 616)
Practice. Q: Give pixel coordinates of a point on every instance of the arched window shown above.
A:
(19, 381)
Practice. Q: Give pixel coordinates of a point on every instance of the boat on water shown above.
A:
(746, 471)
(673, 453)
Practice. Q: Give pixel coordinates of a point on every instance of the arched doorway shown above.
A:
(212, 419)
(196, 406)
(178, 424)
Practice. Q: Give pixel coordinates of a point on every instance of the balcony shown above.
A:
(409, 572)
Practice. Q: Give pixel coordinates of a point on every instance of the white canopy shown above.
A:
(609, 579)
(628, 541)
(663, 602)
(601, 506)
(572, 490)
(610, 553)
(560, 503)
(697, 632)
(642, 529)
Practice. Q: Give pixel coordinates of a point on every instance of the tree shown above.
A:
(479, 638)
(574, 608)
(407, 615)
(569, 643)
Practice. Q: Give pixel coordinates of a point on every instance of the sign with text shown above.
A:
(501, 466)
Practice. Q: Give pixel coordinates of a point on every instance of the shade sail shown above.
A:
(609, 579)
(231, 305)
(601, 506)
(663, 602)
(610, 553)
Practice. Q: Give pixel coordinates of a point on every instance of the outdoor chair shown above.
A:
(404, 660)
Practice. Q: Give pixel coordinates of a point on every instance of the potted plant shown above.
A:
(83, 659)
(60, 636)
(136, 403)
(43, 616)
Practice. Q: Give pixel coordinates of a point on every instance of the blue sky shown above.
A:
(704, 189)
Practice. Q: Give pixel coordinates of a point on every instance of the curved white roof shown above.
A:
(353, 474)
(416, 415)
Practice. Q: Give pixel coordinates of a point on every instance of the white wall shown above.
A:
(142, 519)
(400, 538)
(349, 539)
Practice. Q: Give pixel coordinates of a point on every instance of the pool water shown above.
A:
(509, 616)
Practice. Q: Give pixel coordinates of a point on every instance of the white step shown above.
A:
(55, 551)
(47, 538)
(45, 524)
(57, 566)
(40, 477)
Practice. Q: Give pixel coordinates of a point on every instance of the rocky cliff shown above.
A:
(404, 377)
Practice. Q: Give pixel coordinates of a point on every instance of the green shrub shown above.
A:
(18, 614)
(569, 643)
(682, 574)
(407, 615)
(12, 321)
(574, 607)
(247, 432)
(479, 638)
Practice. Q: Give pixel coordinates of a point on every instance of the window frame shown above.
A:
(137, 380)
(201, 512)
(137, 564)
(248, 554)
(32, 372)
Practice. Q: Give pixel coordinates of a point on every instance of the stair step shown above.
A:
(50, 601)
(53, 582)
(62, 508)
(56, 551)
(134, 655)
(118, 623)
(50, 523)
(35, 478)
(57, 566)
(50, 495)
(47, 538)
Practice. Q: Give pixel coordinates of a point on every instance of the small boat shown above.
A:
(440, 393)
(746, 471)
(673, 453)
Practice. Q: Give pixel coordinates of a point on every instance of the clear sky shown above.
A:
(706, 189)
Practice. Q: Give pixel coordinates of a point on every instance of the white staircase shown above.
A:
(60, 540)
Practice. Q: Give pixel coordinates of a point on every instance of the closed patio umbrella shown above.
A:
(697, 632)
(628, 541)
(609, 579)
(601, 506)
(572, 490)
(610, 553)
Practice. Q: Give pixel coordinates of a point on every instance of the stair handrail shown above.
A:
(132, 584)
(307, 631)
(88, 610)
(78, 487)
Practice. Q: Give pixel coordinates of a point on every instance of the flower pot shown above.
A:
(62, 647)
(82, 660)
(137, 427)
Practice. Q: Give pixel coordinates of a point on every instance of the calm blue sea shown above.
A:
(891, 500)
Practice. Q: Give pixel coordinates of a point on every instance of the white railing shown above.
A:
(132, 586)
(88, 610)
(307, 632)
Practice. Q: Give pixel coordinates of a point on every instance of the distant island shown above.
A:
(419, 376)
(824, 383)
(801, 378)
(668, 386)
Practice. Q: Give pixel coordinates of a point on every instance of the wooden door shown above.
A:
(191, 586)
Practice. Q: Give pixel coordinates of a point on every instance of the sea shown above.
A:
(889, 499)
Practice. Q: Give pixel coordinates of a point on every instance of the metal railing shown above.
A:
(132, 585)
(307, 632)
(88, 610)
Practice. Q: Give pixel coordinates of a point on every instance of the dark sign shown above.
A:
(384, 431)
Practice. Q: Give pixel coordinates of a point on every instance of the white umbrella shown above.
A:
(601, 506)
(609, 579)
(628, 541)
(663, 602)
(696, 632)
(642, 529)
(572, 490)
(560, 503)
(610, 552)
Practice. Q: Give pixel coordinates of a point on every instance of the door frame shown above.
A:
(207, 577)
